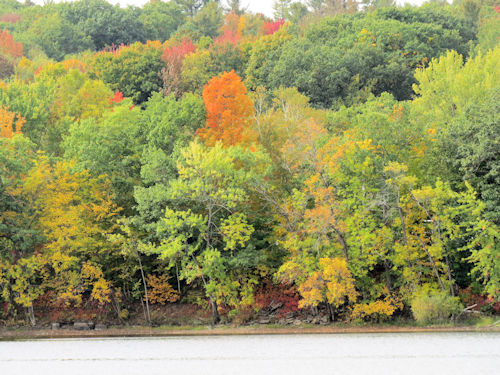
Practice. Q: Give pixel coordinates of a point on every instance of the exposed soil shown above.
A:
(33, 333)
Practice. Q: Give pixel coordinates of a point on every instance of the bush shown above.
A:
(431, 306)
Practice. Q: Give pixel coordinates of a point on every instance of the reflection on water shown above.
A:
(401, 353)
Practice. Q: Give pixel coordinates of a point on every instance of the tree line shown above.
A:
(342, 158)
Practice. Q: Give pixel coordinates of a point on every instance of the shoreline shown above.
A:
(115, 332)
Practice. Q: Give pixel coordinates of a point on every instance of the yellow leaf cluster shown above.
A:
(378, 310)
(160, 291)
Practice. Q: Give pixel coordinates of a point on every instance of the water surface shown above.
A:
(374, 353)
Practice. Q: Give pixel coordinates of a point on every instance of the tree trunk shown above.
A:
(30, 313)
(215, 312)
(145, 288)
(178, 281)
(331, 312)
(388, 280)
(343, 242)
(450, 279)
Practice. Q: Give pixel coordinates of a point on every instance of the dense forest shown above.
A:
(341, 160)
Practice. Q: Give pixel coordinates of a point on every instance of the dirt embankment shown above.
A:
(25, 333)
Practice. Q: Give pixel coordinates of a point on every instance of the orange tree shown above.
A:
(230, 111)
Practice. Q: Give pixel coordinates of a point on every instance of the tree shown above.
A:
(173, 57)
(161, 19)
(133, 70)
(75, 213)
(190, 7)
(332, 283)
(109, 146)
(208, 20)
(57, 36)
(281, 9)
(8, 46)
(103, 23)
(234, 6)
(10, 124)
(208, 224)
(229, 111)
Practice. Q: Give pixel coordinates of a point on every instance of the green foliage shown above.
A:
(161, 19)
(433, 306)
(133, 70)
(365, 179)
(56, 36)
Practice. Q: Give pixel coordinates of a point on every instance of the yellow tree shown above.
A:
(75, 213)
(332, 283)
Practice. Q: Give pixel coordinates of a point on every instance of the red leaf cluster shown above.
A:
(469, 298)
(8, 46)
(117, 98)
(282, 295)
(271, 27)
(230, 32)
(176, 53)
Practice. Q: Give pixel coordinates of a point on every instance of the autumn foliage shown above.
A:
(231, 31)
(8, 46)
(10, 123)
(116, 98)
(230, 111)
(160, 291)
(10, 18)
(270, 28)
(283, 297)
(173, 57)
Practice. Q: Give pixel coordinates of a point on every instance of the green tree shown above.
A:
(133, 70)
(208, 223)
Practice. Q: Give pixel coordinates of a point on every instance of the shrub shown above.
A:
(430, 306)
(160, 291)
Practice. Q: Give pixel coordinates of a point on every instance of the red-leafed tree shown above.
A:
(230, 32)
(171, 73)
(230, 111)
(8, 46)
(270, 28)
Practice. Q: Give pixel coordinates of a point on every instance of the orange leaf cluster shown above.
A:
(75, 64)
(8, 46)
(10, 124)
(161, 291)
(230, 111)
(116, 98)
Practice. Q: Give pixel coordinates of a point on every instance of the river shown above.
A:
(371, 353)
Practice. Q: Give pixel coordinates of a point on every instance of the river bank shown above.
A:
(45, 333)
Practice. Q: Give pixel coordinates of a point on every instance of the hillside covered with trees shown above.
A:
(339, 161)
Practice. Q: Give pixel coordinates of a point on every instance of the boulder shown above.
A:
(55, 325)
(100, 327)
(83, 326)
(324, 320)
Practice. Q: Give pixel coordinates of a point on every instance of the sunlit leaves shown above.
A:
(229, 112)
